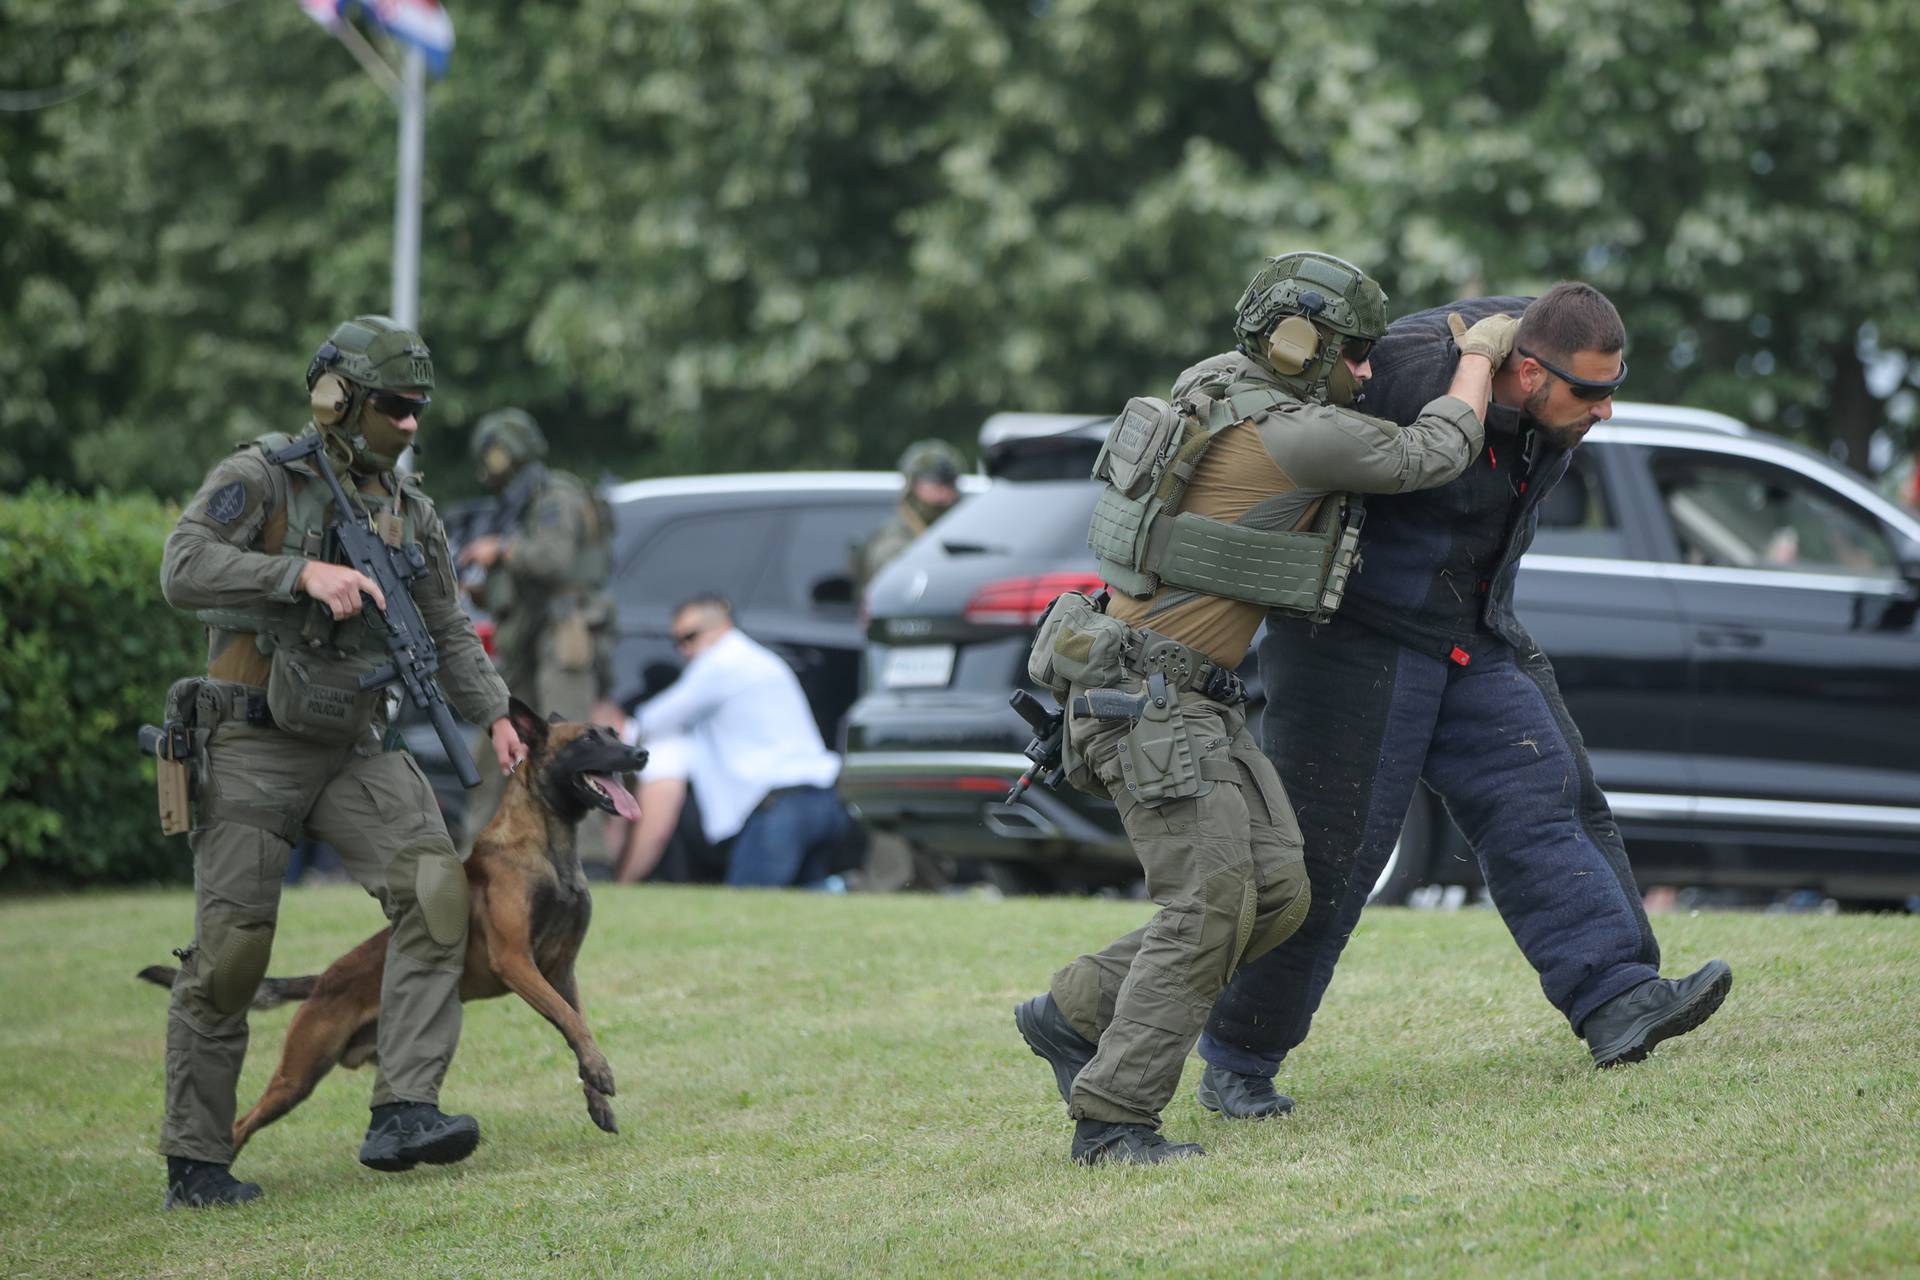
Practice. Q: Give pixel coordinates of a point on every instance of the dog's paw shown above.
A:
(596, 1074)
(601, 1110)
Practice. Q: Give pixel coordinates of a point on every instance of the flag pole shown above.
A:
(406, 202)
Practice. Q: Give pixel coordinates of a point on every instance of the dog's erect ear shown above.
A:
(528, 724)
(554, 717)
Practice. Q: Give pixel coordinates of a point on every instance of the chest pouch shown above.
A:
(318, 697)
(1076, 644)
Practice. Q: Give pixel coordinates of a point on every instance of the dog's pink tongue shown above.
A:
(623, 801)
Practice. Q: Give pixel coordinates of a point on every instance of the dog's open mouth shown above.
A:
(611, 796)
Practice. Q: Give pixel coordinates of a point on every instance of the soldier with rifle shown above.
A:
(537, 559)
(324, 581)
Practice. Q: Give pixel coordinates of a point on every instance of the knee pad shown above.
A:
(237, 963)
(440, 890)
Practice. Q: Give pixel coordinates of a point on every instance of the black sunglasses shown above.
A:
(682, 639)
(1357, 349)
(396, 406)
(1582, 388)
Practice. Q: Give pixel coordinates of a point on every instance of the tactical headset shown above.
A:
(334, 398)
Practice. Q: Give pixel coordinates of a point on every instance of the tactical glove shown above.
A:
(1492, 337)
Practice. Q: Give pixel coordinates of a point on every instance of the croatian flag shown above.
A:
(420, 23)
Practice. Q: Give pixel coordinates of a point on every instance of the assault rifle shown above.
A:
(412, 656)
(498, 517)
(1044, 749)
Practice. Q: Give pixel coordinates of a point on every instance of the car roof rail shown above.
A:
(1640, 413)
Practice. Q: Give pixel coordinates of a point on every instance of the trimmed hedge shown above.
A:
(87, 650)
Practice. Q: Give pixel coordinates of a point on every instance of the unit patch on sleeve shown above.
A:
(227, 503)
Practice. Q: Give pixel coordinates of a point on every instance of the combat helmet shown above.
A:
(361, 356)
(504, 441)
(931, 460)
(1300, 310)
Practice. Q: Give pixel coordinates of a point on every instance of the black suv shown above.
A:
(1732, 618)
(778, 545)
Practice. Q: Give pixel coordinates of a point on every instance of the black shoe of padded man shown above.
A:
(1100, 1142)
(1626, 1028)
(198, 1184)
(1240, 1097)
(404, 1134)
(1050, 1036)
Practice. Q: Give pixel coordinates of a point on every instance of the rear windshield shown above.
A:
(1031, 516)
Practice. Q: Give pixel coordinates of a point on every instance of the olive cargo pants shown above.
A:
(1226, 869)
(261, 788)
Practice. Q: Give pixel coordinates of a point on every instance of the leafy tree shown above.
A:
(743, 233)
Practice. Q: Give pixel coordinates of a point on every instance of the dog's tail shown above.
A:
(273, 991)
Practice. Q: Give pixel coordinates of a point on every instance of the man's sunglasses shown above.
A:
(1582, 388)
(681, 639)
(396, 406)
(1357, 349)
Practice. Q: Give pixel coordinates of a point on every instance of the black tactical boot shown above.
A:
(1240, 1097)
(196, 1184)
(1050, 1036)
(1101, 1142)
(404, 1134)
(1626, 1028)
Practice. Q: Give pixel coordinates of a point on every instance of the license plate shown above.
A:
(924, 666)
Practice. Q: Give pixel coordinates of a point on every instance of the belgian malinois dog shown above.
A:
(528, 915)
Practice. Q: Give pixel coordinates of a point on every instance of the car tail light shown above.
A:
(484, 629)
(1019, 602)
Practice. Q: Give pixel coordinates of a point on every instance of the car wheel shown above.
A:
(1412, 855)
(1017, 878)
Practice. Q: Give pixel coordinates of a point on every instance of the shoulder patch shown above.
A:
(227, 503)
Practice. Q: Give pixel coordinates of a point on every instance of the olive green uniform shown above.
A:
(547, 595)
(888, 541)
(1203, 808)
(234, 558)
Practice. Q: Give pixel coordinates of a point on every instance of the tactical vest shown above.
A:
(592, 560)
(1143, 540)
(299, 491)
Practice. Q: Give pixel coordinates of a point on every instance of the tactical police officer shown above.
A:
(931, 469)
(1429, 673)
(1229, 502)
(287, 743)
(545, 564)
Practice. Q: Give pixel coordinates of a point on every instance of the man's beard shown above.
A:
(1561, 435)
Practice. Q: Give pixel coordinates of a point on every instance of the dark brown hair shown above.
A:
(1568, 318)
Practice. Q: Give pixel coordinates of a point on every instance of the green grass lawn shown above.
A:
(813, 1085)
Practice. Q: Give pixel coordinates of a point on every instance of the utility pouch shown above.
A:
(1137, 442)
(320, 701)
(1157, 759)
(573, 642)
(1077, 644)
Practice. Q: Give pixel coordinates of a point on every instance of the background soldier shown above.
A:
(932, 471)
(1215, 511)
(287, 743)
(541, 572)
(545, 566)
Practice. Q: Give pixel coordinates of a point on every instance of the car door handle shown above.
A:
(1730, 638)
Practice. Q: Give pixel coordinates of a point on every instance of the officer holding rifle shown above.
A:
(324, 581)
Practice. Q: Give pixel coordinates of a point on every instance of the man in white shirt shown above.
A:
(761, 773)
